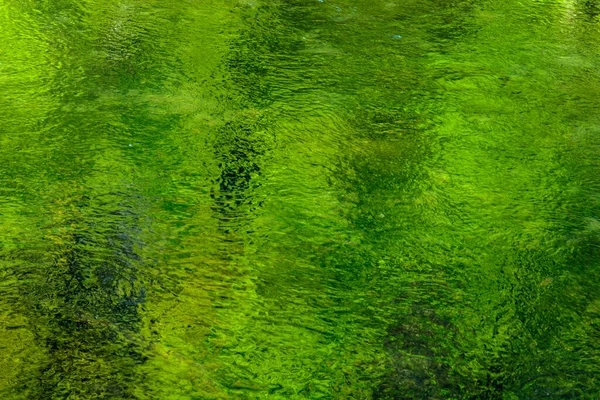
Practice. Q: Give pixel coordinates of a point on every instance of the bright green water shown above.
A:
(299, 199)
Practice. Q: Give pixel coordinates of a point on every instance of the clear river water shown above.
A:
(299, 199)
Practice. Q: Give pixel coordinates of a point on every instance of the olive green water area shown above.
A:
(299, 199)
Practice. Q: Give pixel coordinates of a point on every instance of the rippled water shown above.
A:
(322, 199)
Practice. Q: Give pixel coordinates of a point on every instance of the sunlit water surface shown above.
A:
(320, 199)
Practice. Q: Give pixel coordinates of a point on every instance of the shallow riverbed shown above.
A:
(299, 199)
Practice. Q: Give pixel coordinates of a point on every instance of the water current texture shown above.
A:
(299, 199)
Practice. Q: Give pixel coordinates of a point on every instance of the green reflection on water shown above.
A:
(300, 199)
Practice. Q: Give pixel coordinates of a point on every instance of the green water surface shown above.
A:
(299, 199)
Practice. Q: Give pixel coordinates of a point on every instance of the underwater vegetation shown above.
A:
(300, 199)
